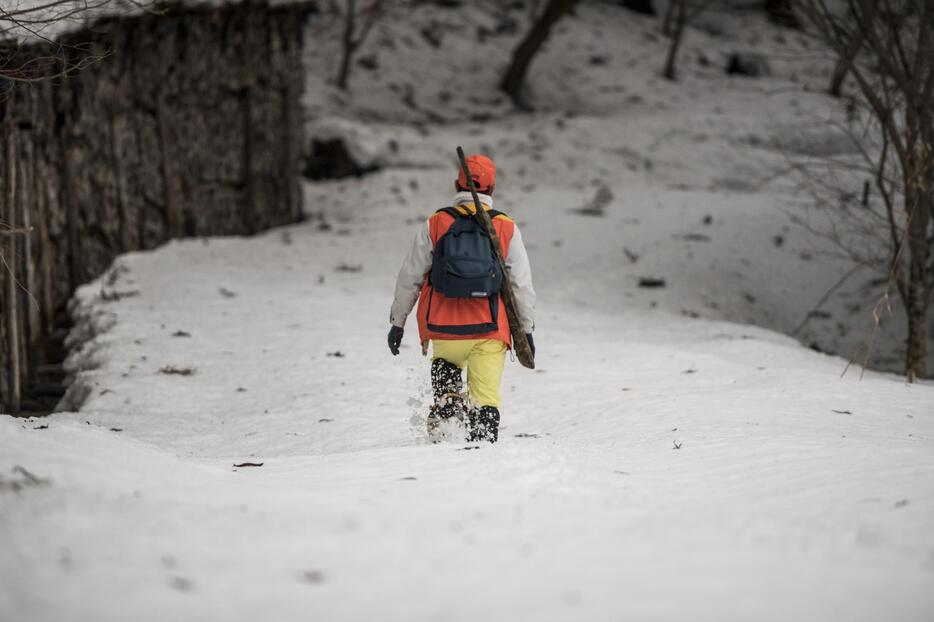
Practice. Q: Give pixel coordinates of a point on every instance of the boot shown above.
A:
(445, 378)
(483, 424)
(446, 385)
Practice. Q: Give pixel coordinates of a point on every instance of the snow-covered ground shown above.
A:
(660, 464)
(794, 494)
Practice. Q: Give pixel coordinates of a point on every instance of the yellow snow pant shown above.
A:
(484, 360)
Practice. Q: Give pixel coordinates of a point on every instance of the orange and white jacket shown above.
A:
(412, 283)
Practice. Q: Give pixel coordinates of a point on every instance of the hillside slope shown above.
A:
(703, 189)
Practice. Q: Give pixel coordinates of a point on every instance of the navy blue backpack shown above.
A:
(464, 265)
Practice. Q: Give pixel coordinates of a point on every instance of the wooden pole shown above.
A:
(519, 341)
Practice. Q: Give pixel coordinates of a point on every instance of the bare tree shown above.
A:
(842, 65)
(42, 20)
(679, 14)
(894, 71)
(514, 78)
(355, 34)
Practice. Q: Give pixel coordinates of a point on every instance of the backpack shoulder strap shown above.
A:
(453, 211)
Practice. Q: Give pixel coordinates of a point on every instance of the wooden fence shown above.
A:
(184, 123)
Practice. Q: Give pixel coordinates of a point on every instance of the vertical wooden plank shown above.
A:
(249, 175)
(29, 304)
(173, 208)
(291, 24)
(288, 177)
(44, 246)
(4, 347)
(11, 312)
(21, 240)
(123, 238)
(75, 273)
(245, 24)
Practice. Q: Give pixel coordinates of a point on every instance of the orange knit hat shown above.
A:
(483, 172)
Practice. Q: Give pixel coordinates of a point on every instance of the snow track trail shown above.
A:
(795, 494)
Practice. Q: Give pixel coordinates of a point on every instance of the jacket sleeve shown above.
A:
(520, 272)
(417, 263)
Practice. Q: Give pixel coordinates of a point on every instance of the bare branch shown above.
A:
(826, 296)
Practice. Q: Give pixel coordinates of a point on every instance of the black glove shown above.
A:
(395, 339)
(531, 342)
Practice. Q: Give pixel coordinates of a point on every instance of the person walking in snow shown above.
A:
(471, 330)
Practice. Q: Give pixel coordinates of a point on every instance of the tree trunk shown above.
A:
(918, 300)
(514, 78)
(349, 46)
(670, 72)
(669, 18)
(842, 67)
(782, 12)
